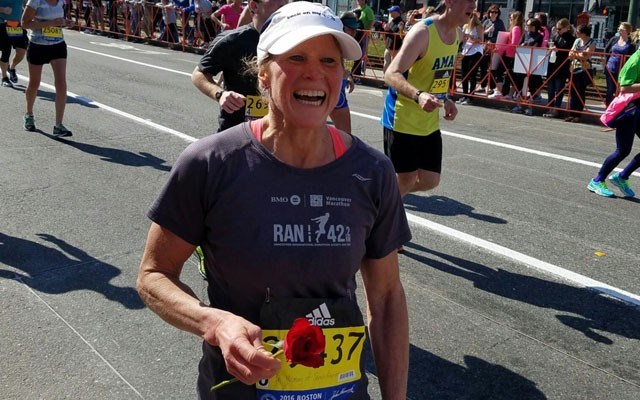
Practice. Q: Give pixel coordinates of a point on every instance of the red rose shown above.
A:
(304, 344)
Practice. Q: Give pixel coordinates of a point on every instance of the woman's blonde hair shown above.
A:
(474, 21)
(635, 36)
(518, 20)
(627, 27)
(562, 23)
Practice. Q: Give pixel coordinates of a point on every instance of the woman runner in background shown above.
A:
(44, 20)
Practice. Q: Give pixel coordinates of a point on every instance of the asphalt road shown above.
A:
(521, 284)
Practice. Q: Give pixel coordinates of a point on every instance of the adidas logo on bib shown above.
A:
(321, 316)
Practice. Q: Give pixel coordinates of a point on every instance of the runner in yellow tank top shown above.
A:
(418, 79)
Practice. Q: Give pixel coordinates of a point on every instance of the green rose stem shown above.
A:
(234, 380)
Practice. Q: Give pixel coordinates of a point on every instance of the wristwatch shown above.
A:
(218, 94)
(416, 97)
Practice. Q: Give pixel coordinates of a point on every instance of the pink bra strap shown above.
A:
(339, 148)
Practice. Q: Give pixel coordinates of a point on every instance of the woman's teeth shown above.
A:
(311, 97)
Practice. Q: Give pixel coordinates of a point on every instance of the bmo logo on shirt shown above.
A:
(294, 200)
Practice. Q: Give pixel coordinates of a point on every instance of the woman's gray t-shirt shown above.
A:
(266, 226)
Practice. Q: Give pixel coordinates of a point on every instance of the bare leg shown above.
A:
(417, 181)
(17, 57)
(35, 74)
(59, 67)
(3, 68)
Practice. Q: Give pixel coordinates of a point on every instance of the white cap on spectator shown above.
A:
(299, 21)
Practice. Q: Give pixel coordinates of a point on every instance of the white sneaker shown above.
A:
(495, 95)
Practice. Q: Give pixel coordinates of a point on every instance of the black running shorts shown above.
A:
(7, 42)
(40, 54)
(410, 153)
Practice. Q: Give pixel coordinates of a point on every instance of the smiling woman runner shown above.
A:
(286, 209)
(44, 20)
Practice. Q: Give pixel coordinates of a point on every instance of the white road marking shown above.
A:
(123, 46)
(121, 113)
(577, 279)
(377, 118)
(130, 61)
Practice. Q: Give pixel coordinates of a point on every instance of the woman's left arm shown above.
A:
(388, 322)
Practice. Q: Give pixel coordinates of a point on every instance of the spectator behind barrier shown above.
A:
(531, 38)
(492, 25)
(580, 54)
(393, 38)
(227, 16)
(366, 17)
(618, 48)
(558, 71)
(204, 24)
(544, 29)
(504, 73)
(170, 18)
(472, 50)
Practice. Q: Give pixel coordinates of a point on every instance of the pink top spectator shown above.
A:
(516, 36)
(231, 18)
(545, 36)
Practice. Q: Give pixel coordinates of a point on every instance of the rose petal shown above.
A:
(304, 344)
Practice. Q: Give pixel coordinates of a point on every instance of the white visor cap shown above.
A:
(299, 21)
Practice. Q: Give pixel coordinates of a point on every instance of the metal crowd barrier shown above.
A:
(535, 60)
(142, 21)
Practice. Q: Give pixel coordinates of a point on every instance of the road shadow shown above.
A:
(592, 311)
(119, 156)
(632, 199)
(87, 273)
(51, 96)
(433, 377)
(446, 207)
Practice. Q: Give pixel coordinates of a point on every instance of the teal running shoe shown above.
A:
(600, 188)
(622, 184)
(29, 123)
(61, 131)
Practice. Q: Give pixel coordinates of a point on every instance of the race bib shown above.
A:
(14, 29)
(52, 33)
(441, 81)
(341, 377)
(255, 108)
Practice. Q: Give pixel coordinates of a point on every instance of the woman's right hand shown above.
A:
(57, 22)
(242, 349)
